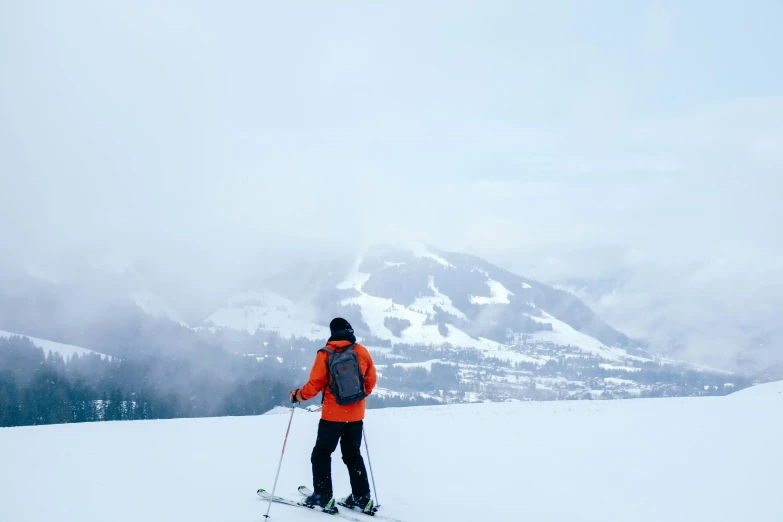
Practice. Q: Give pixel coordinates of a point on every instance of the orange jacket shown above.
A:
(332, 411)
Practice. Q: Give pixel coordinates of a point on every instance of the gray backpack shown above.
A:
(345, 375)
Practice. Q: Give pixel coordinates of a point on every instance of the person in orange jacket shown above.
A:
(341, 423)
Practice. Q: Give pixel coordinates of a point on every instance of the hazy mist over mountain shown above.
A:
(629, 154)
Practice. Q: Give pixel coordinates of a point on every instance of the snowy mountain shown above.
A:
(154, 305)
(442, 327)
(65, 350)
(419, 295)
(680, 460)
(253, 311)
(491, 335)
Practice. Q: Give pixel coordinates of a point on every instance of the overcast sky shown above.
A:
(559, 139)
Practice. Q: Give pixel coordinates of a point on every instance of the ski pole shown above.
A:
(369, 461)
(293, 408)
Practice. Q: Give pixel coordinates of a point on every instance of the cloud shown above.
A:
(217, 144)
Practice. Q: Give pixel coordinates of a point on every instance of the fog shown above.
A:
(214, 143)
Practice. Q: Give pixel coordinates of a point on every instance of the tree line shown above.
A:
(38, 388)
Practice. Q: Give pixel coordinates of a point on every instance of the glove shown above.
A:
(296, 396)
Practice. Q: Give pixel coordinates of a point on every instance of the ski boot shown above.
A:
(325, 502)
(365, 503)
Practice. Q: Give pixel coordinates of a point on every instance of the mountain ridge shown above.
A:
(423, 295)
(442, 327)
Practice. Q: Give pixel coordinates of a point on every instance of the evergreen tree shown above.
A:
(114, 410)
(103, 408)
(7, 398)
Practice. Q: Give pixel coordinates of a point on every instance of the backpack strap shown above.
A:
(328, 353)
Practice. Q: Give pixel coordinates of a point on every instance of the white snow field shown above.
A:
(66, 350)
(644, 460)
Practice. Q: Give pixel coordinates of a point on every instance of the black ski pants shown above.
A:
(350, 436)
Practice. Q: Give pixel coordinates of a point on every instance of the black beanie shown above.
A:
(339, 324)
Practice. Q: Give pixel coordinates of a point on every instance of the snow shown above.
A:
(620, 382)
(261, 357)
(383, 392)
(679, 460)
(472, 397)
(563, 334)
(279, 410)
(354, 282)
(386, 352)
(66, 350)
(253, 310)
(773, 390)
(376, 309)
(421, 250)
(426, 305)
(516, 357)
(700, 367)
(620, 368)
(155, 306)
(498, 294)
(427, 365)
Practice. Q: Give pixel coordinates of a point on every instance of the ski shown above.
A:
(280, 500)
(305, 491)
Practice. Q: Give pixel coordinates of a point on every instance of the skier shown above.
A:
(345, 373)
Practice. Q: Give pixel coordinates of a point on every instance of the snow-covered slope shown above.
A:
(156, 306)
(762, 393)
(377, 310)
(419, 296)
(253, 311)
(66, 350)
(715, 459)
(507, 336)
